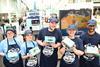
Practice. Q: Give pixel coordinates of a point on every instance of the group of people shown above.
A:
(25, 54)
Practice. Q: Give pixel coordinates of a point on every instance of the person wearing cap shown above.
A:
(93, 38)
(49, 40)
(29, 44)
(70, 55)
(10, 49)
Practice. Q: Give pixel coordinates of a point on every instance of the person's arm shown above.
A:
(26, 56)
(56, 45)
(1, 49)
(41, 43)
(77, 52)
(40, 38)
(79, 49)
(23, 52)
(62, 49)
(99, 45)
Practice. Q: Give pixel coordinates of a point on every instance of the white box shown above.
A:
(68, 42)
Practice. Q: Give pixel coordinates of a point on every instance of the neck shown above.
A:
(10, 39)
(91, 33)
(71, 37)
(28, 40)
(50, 29)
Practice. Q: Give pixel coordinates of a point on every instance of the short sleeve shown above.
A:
(80, 44)
(59, 36)
(40, 36)
(1, 47)
(23, 49)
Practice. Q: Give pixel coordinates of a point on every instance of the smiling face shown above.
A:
(10, 34)
(52, 25)
(29, 37)
(91, 28)
(71, 32)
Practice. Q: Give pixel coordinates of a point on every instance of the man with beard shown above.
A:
(91, 38)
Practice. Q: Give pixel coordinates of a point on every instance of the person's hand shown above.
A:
(63, 44)
(74, 46)
(76, 51)
(63, 49)
(55, 45)
(2, 54)
(44, 43)
(29, 55)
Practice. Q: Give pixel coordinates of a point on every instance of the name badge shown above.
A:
(50, 39)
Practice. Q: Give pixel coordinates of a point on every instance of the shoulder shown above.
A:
(17, 38)
(58, 30)
(97, 34)
(3, 44)
(35, 42)
(3, 41)
(85, 35)
(18, 41)
(44, 29)
(23, 44)
(78, 39)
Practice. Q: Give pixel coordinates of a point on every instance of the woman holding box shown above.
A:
(30, 50)
(71, 48)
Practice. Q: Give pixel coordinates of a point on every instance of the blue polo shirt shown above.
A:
(29, 44)
(4, 45)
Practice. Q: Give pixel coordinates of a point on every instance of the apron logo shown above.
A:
(90, 52)
(32, 62)
(69, 57)
(48, 51)
(13, 55)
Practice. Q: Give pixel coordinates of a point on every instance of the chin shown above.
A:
(91, 30)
